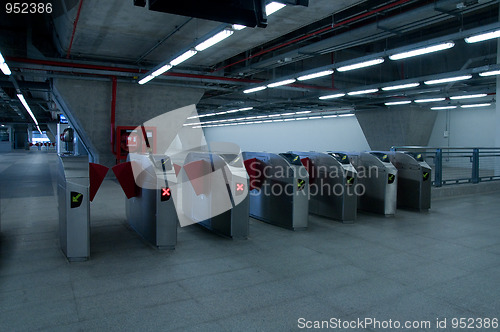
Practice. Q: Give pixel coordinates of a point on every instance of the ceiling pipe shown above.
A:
(75, 23)
(312, 34)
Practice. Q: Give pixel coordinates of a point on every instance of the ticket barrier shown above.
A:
(378, 176)
(332, 181)
(215, 192)
(77, 184)
(150, 211)
(74, 207)
(414, 180)
(279, 189)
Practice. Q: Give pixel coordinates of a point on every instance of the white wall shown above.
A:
(466, 127)
(341, 134)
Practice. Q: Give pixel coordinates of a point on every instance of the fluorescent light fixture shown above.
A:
(401, 86)
(259, 88)
(448, 79)
(361, 64)
(490, 73)
(330, 116)
(277, 120)
(261, 116)
(161, 70)
(289, 120)
(204, 115)
(315, 75)
(423, 50)
(238, 27)
(287, 114)
(443, 108)
(273, 7)
(146, 79)
(273, 115)
(314, 117)
(303, 112)
(475, 105)
(469, 96)
(337, 95)
(183, 57)
(217, 38)
(304, 118)
(361, 92)
(5, 68)
(402, 102)
(220, 113)
(429, 100)
(267, 121)
(26, 106)
(245, 109)
(233, 111)
(482, 37)
(284, 82)
(346, 115)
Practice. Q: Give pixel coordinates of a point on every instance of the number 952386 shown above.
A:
(28, 8)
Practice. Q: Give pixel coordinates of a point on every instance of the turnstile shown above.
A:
(414, 180)
(279, 189)
(378, 178)
(152, 213)
(74, 207)
(332, 181)
(215, 192)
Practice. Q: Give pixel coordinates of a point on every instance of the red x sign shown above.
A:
(165, 194)
(239, 187)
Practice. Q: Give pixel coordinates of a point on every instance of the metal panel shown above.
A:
(379, 178)
(414, 180)
(282, 199)
(218, 198)
(74, 207)
(153, 219)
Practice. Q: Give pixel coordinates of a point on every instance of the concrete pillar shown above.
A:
(89, 106)
(397, 126)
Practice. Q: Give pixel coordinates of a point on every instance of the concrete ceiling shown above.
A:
(116, 38)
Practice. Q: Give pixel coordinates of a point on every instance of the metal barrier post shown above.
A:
(438, 174)
(475, 165)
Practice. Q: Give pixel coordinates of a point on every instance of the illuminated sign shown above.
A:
(300, 184)
(165, 194)
(391, 178)
(426, 176)
(240, 188)
(76, 199)
(350, 180)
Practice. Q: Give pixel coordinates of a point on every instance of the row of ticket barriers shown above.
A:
(219, 191)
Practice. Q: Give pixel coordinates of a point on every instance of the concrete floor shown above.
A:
(442, 264)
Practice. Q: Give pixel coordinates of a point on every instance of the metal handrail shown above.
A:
(446, 154)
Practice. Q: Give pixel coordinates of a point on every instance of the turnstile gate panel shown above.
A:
(378, 177)
(332, 181)
(152, 212)
(414, 180)
(215, 192)
(74, 207)
(281, 194)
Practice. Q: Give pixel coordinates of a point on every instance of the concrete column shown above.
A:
(397, 126)
(89, 105)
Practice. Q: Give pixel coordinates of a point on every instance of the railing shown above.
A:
(459, 165)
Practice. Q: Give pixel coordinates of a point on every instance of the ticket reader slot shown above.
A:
(279, 195)
(414, 180)
(378, 176)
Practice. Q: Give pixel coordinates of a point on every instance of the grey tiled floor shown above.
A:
(441, 264)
